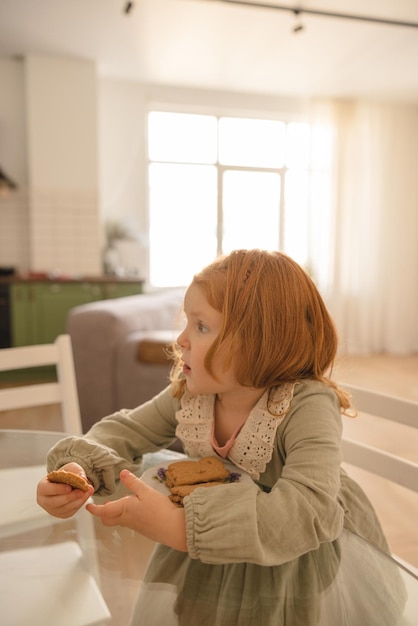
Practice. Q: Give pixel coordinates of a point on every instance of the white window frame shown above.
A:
(220, 112)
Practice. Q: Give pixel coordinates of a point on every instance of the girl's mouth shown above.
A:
(186, 369)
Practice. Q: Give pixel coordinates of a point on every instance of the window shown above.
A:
(222, 183)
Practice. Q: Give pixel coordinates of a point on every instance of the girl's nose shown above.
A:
(181, 339)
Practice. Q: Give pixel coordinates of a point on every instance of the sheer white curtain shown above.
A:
(366, 260)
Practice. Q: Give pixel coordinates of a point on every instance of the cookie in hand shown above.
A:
(69, 478)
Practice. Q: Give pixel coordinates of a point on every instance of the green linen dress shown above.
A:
(281, 549)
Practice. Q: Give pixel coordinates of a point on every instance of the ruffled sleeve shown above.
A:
(119, 441)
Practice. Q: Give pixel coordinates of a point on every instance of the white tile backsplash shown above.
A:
(52, 231)
(14, 231)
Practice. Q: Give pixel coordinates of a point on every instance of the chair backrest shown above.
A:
(375, 460)
(63, 391)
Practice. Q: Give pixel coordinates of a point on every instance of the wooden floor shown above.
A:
(394, 375)
(397, 507)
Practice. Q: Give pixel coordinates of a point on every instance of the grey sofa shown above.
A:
(105, 337)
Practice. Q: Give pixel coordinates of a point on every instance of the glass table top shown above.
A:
(78, 572)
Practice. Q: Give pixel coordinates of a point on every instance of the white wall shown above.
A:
(55, 212)
(14, 231)
(122, 170)
(61, 104)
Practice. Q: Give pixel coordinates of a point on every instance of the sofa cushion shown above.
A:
(99, 332)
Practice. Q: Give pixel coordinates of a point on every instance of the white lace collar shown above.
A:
(253, 447)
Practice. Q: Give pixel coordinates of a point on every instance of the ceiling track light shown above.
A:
(298, 27)
(128, 7)
(6, 184)
(298, 11)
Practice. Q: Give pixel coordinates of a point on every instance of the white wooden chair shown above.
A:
(375, 460)
(387, 465)
(43, 574)
(20, 512)
(63, 391)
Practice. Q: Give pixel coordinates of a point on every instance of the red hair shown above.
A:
(274, 320)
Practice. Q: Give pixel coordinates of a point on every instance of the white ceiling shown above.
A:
(218, 45)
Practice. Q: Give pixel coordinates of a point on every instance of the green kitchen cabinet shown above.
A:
(51, 303)
(119, 290)
(39, 309)
(20, 314)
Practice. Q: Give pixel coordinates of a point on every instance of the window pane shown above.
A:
(185, 163)
(250, 210)
(182, 138)
(257, 143)
(296, 216)
(298, 145)
(183, 201)
(320, 229)
(322, 147)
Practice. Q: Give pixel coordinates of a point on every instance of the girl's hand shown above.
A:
(62, 500)
(147, 512)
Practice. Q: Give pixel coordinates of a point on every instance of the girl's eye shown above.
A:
(202, 328)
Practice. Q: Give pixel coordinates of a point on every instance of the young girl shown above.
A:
(249, 385)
